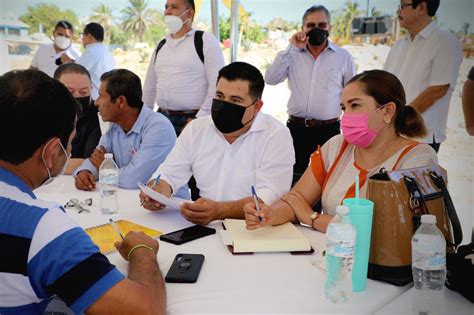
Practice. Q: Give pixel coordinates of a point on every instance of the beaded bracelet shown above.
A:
(138, 246)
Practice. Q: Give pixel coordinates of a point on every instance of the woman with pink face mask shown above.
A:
(377, 128)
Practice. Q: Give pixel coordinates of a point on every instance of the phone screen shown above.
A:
(187, 234)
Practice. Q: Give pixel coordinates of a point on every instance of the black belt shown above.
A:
(309, 122)
(178, 112)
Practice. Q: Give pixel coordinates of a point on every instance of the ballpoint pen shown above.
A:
(116, 228)
(153, 185)
(255, 200)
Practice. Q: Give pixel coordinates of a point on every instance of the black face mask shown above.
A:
(317, 36)
(85, 102)
(227, 117)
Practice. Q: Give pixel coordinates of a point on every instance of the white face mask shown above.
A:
(174, 23)
(62, 42)
(51, 178)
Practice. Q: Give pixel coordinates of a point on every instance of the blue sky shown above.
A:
(452, 13)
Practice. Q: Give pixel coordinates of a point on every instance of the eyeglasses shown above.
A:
(402, 5)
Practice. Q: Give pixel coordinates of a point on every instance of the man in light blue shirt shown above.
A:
(139, 138)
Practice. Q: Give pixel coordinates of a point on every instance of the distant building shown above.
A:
(13, 29)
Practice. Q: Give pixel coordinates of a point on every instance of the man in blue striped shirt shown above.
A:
(139, 138)
(44, 252)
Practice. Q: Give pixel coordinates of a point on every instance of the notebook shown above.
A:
(104, 236)
(280, 238)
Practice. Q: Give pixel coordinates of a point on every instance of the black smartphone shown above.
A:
(185, 268)
(188, 234)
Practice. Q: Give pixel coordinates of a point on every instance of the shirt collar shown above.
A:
(425, 33)
(191, 32)
(331, 46)
(140, 122)
(12, 179)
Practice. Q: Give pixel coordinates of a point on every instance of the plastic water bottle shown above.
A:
(108, 184)
(429, 267)
(428, 255)
(340, 249)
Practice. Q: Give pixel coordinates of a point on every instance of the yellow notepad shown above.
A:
(104, 236)
(280, 238)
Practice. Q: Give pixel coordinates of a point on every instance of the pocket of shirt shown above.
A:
(334, 79)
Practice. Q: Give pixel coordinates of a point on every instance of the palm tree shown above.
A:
(137, 18)
(342, 21)
(102, 14)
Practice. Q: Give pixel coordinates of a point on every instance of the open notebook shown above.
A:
(280, 238)
(104, 236)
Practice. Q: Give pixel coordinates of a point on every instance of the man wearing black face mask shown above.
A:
(77, 80)
(235, 148)
(317, 71)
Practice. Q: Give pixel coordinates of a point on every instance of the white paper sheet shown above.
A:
(169, 202)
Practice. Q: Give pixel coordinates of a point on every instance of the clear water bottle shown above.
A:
(340, 249)
(428, 255)
(108, 184)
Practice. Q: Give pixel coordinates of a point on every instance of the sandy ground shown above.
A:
(455, 153)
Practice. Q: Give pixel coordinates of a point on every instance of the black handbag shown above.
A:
(460, 266)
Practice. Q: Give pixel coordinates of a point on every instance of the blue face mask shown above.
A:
(51, 178)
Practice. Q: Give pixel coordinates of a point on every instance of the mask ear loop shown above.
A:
(383, 122)
(44, 162)
(253, 111)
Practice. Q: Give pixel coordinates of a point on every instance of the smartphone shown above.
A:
(188, 234)
(185, 268)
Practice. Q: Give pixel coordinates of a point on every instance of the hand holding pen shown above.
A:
(152, 187)
(116, 228)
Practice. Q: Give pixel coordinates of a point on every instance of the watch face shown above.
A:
(313, 216)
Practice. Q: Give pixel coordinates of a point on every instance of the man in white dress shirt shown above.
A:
(96, 58)
(182, 74)
(427, 62)
(48, 56)
(317, 71)
(236, 147)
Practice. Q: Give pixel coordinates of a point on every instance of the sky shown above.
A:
(452, 14)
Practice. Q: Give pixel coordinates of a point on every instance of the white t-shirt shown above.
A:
(263, 157)
(433, 57)
(45, 58)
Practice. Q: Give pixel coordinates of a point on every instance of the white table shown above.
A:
(260, 283)
(445, 302)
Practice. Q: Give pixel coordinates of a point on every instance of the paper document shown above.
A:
(281, 238)
(169, 202)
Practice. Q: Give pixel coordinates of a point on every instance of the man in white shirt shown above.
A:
(96, 58)
(317, 71)
(236, 147)
(182, 74)
(48, 56)
(427, 62)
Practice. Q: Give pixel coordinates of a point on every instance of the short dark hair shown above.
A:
(385, 87)
(190, 3)
(432, 6)
(124, 82)
(246, 72)
(71, 67)
(64, 24)
(316, 8)
(33, 109)
(96, 30)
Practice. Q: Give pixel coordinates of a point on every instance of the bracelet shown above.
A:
(138, 246)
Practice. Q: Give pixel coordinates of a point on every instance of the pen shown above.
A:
(152, 185)
(116, 228)
(156, 181)
(255, 200)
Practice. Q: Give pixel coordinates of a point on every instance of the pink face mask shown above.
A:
(356, 131)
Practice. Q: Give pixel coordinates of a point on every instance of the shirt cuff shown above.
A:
(86, 166)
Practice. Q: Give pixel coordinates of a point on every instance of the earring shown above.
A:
(386, 121)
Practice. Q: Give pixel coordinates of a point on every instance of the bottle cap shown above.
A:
(342, 210)
(428, 218)
(109, 155)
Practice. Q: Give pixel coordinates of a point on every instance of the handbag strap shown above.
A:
(453, 217)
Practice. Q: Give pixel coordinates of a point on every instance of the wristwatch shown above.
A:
(314, 216)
